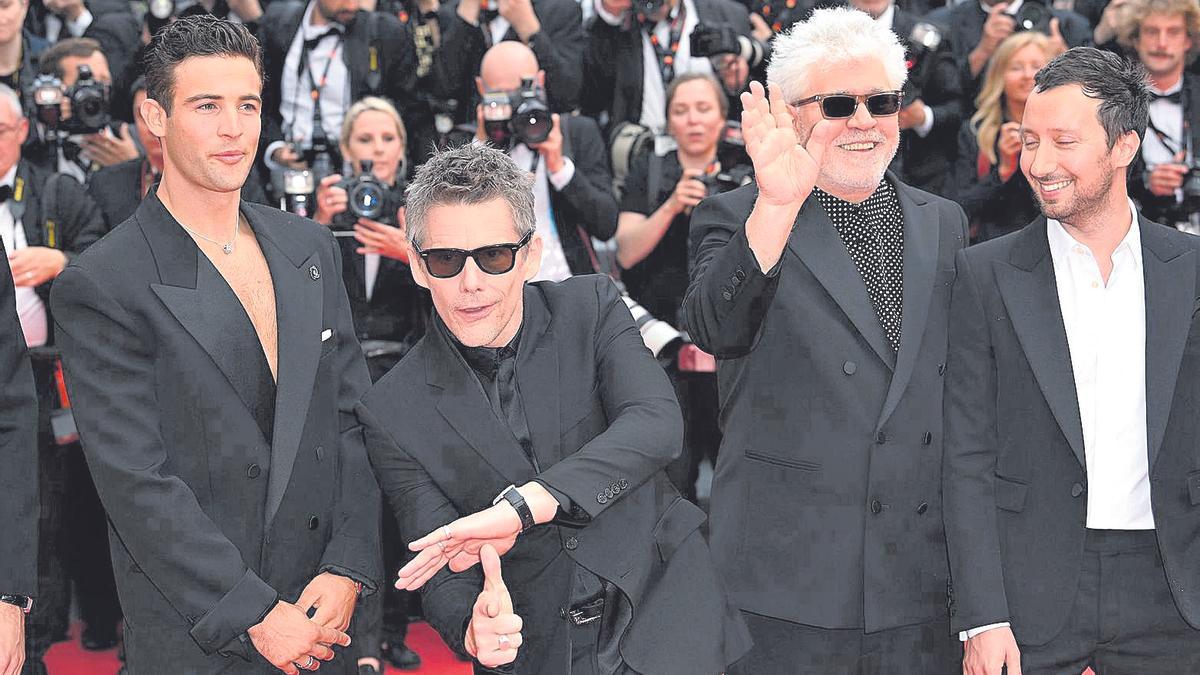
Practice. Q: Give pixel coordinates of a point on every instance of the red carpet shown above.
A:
(68, 658)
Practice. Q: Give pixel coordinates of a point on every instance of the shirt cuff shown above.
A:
(561, 178)
(965, 635)
(605, 16)
(80, 25)
(925, 127)
(271, 163)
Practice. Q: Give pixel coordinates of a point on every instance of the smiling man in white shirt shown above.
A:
(1071, 479)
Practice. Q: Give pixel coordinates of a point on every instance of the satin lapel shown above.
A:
(922, 233)
(464, 405)
(1170, 273)
(537, 378)
(299, 313)
(1028, 289)
(817, 244)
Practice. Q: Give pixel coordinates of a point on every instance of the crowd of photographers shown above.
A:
(625, 111)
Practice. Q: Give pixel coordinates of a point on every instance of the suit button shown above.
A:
(922, 509)
(734, 280)
(314, 522)
(927, 438)
(253, 471)
(608, 492)
(623, 483)
(740, 274)
(881, 438)
(727, 295)
(1076, 489)
(572, 543)
(849, 367)
(941, 369)
(616, 488)
(876, 507)
(600, 498)
(320, 453)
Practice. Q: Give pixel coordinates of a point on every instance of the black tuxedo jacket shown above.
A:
(613, 65)
(926, 162)
(117, 190)
(1015, 481)
(398, 309)
(604, 422)
(211, 521)
(558, 46)
(1164, 209)
(18, 450)
(394, 77)
(828, 435)
(586, 207)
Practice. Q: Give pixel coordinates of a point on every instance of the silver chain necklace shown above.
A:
(227, 247)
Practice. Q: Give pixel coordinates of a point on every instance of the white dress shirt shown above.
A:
(30, 308)
(55, 26)
(370, 272)
(1106, 338)
(887, 17)
(1167, 117)
(296, 105)
(554, 262)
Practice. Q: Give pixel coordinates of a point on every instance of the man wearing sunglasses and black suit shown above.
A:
(823, 291)
(533, 419)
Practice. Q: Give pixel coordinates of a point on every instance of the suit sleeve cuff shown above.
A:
(926, 126)
(965, 635)
(561, 178)
(569, 512)
(267, 155)
(368, 586)
(239, 609)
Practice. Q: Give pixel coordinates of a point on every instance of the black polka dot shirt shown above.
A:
(873, 233)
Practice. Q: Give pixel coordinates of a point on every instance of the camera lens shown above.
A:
(532, 125)
(366, 199)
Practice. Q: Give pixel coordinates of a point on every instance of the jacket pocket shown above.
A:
(677, 523)
(1010, 495)
(799, 464)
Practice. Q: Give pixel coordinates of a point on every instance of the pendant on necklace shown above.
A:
(228, 248)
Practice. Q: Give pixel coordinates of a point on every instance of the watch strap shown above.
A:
(23, 601)
(513, 496)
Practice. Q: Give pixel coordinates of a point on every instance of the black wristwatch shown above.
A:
(22, 601)
(512, 496)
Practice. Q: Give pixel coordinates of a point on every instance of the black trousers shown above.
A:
(786, 648)
(1124, 621)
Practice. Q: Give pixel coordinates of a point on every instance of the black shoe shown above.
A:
(399, 655)
(99, 639)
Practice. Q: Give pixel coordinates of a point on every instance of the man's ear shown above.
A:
(1126, 149)
(22, 131)
(155, 116)
(479, 85)
(533, 258)
(417, 268)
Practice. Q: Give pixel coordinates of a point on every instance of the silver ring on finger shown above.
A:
(503, 641)
(312, 661)
(446, 531)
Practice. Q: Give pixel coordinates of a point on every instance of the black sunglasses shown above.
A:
(443, 263)
(843, 106)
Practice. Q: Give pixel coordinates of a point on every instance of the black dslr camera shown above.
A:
(1033, 15)
(89, 103)
(709, 41)
(924, 43)
(367, 195)
(522, 115)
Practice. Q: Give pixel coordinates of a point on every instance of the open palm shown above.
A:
(784, 170)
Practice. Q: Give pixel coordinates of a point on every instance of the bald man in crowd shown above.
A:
(572, 181)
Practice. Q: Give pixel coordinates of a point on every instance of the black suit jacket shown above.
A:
(18, 447)
(995, 207)
(210, 520)
(613, 66)
(925, 162)
(1015, 481)
(1164, 209)
(586, 207)
(393, 79)
(964, 24)
(558, 47)
(604, 422)
(117, 190)
(398, 309)
(828, 435)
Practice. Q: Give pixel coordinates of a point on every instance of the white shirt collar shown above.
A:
(1012, 7)
(886, 16)
(11, 177)
(1061, 241)
(310, 31)
(1178, 86)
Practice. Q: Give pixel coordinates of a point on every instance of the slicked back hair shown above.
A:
(1118, 83)
(470, 174)
(193, 36)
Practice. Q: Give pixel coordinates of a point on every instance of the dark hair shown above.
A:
(193, 36)
(50, 62)
(1118, 83)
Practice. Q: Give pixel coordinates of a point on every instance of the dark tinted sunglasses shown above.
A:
(444, 263)
(843, 106)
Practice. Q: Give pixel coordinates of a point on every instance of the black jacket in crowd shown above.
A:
(994, 207)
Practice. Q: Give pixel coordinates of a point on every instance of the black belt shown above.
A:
(585, 612)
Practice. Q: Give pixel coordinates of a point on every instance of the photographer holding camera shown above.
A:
(45, 220)
(976, 29)
(566, 155)
(652, 239)
(76, 132)
(1164, 179)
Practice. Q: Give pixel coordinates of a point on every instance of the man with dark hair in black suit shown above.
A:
(212, 363)
(531, 421)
